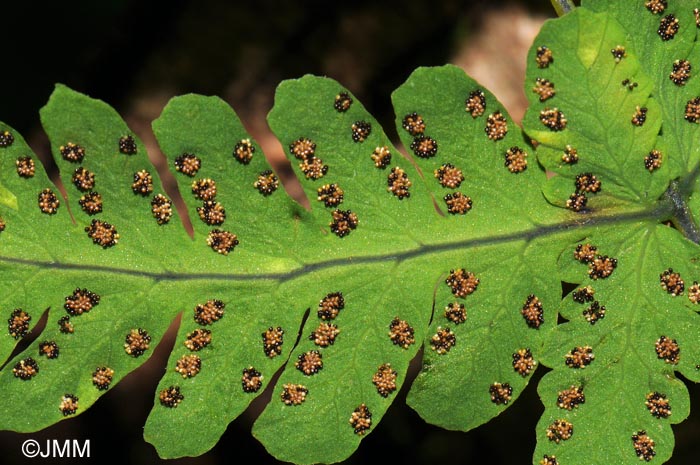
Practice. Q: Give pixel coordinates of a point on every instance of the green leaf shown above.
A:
(48, 257)
(506, 211)
(615, 358)
(437, 240)
(7, 198)
(626, 369)
(207, 128)
(598, 110)
(370, 266)
(454, 256)
(657, 57)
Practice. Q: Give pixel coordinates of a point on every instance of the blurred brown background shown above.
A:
(136, 55)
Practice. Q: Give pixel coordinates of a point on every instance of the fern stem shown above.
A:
(563, 7)
(681, 216)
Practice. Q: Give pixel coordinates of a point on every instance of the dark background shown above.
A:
(135, 55)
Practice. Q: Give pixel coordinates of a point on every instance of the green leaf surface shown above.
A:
(452, 255)
(657, 56)
(614, 360)
(438, 238)
(598, 112)
(367, 272)
(48, 257)
(510, 266)
(626, 367)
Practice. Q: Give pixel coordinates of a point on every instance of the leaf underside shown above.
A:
(459, 248)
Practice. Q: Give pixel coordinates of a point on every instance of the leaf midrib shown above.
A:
(585, 223)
